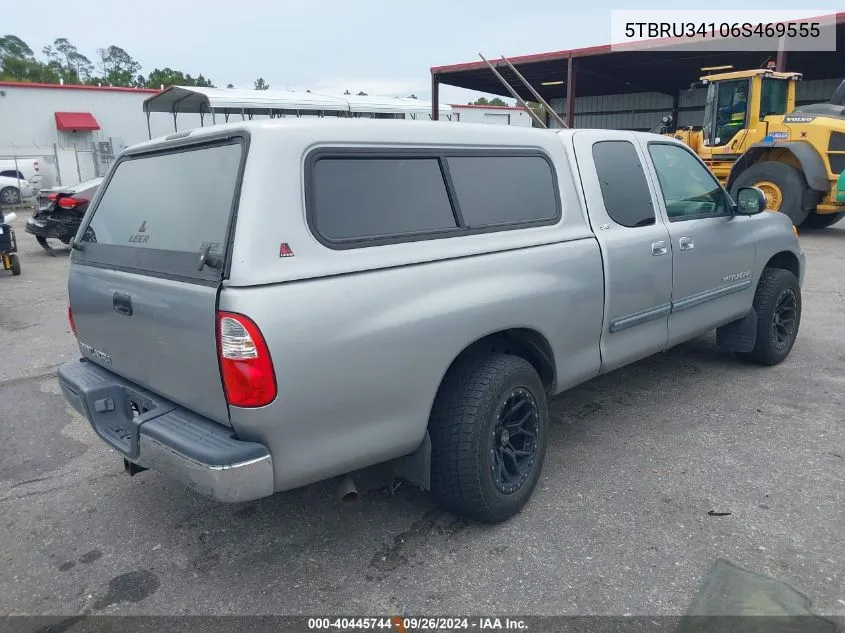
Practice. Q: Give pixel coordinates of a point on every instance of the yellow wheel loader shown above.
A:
(753, 135)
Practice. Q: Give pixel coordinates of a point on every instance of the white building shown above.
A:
(497, 115)
(75, 131)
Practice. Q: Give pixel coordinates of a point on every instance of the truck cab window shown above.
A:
(624, 189)
(773, 97)
(689, 190)
(731, 108)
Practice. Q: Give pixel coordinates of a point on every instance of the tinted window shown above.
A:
(773, 97)
(357, 198)
(624, 188)
(172, 202)
(689, 189)
(11, 173)
(503, 189)
(159, 212)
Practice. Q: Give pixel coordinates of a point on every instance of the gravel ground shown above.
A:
(618, 525)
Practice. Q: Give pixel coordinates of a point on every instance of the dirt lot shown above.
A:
(620, 523)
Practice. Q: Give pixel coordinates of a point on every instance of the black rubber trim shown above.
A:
(442, 154)
(177, 428)
(200, 439)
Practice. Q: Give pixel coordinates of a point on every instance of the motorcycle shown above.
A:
(8, 244)
(59, 213)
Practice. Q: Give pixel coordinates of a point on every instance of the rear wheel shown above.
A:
(783, 185)
(42, 242)
(488, 432)
(10, 195)
(15, 264)
(821, 220)
(777, 303)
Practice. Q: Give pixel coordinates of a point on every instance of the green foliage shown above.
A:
(495, 101)
(260, 84)
(63, 62)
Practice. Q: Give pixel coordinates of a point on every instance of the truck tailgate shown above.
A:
(144, 279)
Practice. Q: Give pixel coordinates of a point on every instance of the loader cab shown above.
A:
(738, 103)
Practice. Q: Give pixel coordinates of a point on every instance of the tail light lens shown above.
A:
(245, 364)
(71, 203)
(52, 197)
(70, 318)
(36, 166)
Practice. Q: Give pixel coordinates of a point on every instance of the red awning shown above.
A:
(76, 121)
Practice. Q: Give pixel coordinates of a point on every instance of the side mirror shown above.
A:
(750, 201)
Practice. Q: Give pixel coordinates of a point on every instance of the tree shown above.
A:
(118, 67)
(362, 94)
(68, 62)
(17, 61)
(230, 86)
(260, 84)
(495, 101)
(413, 97)
(169, 77)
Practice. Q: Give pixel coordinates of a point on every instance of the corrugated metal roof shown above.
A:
(193, 99)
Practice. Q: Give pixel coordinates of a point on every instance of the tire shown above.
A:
(468, 465)
(776, 290)
(16, 264)
(10, 195)
(821, 220)
(780, 177)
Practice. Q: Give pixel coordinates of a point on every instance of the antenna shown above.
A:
(514, 94)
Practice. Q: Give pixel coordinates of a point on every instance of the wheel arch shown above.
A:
(811, 162)
(526, 343)
(785, 260)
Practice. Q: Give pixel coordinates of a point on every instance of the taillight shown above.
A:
(36, 166)
(70, 318)
(51, 197)
(71, 203)
(245, 363)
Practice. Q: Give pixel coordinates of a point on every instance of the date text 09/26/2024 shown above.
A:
(402, 624)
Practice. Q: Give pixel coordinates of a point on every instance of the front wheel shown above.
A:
(777, 303)
(488, 431)
(15, 265)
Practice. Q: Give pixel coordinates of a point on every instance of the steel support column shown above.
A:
(781, 60)
(570, 93)
(435, 98)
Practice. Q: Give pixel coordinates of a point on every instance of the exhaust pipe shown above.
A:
(347, 492)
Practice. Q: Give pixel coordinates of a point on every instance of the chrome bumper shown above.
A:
(164, 437)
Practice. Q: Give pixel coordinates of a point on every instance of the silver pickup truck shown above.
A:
(264, 305)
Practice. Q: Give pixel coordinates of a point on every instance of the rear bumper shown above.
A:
(154, 433)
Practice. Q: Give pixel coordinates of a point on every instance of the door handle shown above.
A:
(686, 243)
(659, 248)
(122, 303)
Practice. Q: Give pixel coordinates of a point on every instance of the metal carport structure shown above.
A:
(220, 102)
(656, 66)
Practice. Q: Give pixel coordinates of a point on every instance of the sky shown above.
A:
(378, 46)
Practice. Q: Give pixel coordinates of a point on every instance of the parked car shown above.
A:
(36, 171)
(14, 190)
(59, 212)
(298, 302)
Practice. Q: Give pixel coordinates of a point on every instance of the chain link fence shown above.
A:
(46, 167)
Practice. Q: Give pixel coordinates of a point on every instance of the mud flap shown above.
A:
(739, 335)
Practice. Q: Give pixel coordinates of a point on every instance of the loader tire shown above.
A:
(784, 186)
(821, 220)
